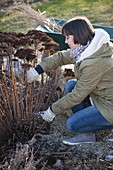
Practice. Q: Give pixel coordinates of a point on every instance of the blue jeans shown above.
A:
(85, 117)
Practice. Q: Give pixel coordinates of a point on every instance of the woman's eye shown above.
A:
(67, 38)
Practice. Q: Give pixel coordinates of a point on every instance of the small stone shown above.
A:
(58, 163)
(32, 141)
(109, 158)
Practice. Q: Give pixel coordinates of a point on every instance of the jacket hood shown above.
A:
(101, 37)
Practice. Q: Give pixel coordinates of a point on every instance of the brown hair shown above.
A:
(81, 28)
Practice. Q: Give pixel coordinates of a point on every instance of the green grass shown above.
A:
(99, 12)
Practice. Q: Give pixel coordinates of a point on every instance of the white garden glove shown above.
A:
(32, 75)
(46, 115)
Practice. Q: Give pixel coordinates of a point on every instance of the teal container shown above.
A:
(57, 37)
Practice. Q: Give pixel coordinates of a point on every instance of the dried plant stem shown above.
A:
(5, 96)
(19, 100)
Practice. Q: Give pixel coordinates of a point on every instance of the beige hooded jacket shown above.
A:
(94, 73)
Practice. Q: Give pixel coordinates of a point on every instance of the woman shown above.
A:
(91, 53)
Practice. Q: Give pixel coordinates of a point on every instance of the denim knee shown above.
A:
(69, 125)
(69, 86)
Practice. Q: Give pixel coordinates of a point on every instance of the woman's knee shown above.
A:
(80, 119)
(69, 86)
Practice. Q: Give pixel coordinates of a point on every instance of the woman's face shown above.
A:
(69, 39)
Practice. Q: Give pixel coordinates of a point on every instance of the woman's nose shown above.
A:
(65, 41)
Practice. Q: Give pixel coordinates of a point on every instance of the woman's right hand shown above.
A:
(32, 75)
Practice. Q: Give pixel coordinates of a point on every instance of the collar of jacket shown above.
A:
(101, 37)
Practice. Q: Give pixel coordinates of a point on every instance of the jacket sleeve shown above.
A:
(89, 79)
(56, 60)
